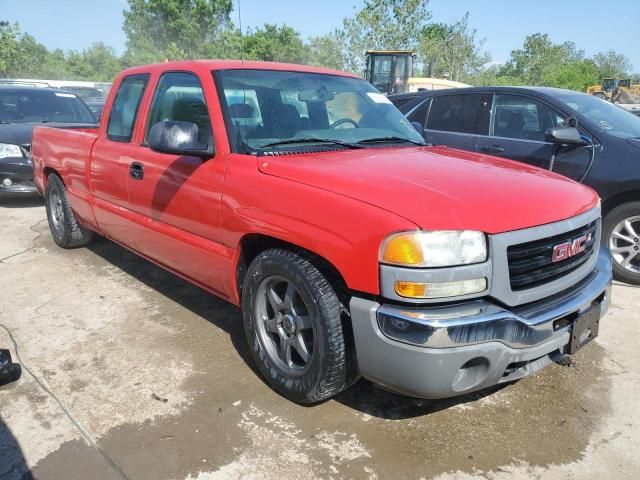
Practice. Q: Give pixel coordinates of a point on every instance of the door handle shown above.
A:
(492, 149)
(136, 171)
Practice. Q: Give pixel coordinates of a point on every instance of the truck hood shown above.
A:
(438, 188)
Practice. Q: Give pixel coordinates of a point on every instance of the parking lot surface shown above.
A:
(134, 373)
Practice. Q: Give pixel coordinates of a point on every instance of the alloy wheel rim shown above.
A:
(624, 244)
(284, 325)
(57, 212)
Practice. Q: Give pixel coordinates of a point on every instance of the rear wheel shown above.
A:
(292, 318)
(621, 234)
(65, 229)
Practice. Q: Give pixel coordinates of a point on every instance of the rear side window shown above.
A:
(179, 98)
(125, 108)
(456, 113)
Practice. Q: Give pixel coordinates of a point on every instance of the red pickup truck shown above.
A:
(354, 249)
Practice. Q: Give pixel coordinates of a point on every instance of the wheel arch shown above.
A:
(619, 199)
(252, 244)
(48, 171)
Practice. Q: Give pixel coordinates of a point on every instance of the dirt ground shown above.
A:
(133, 373)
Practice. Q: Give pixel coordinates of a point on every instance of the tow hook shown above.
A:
(9, 371)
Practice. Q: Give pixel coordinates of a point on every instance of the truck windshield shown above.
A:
(606, 116)
(269, 110)
(42, 105)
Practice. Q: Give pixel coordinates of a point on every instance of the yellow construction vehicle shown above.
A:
(616, 91)
(626, 94)
(391, 72)
(605, 90)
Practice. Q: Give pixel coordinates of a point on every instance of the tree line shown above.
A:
(183, 29)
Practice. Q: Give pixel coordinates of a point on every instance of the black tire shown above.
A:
(610, 221)
(65, 229)
(328, 370)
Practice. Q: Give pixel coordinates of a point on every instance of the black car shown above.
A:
(96, 105)
(21, 109)
(577, 135)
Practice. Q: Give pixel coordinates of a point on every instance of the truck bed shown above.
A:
(67, 150)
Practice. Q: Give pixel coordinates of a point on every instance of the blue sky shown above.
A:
(75, 24)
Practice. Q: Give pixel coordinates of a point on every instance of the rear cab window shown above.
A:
(125, 107)
(460, 113)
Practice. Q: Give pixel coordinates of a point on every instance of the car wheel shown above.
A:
(292, 319)
(65, 229)
(621, 234)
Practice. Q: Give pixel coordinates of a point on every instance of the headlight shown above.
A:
(445, 248)
(8, 150)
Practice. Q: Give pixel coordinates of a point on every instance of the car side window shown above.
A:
(456, 113)
(521, 117)
(179, 98)
(124, 110)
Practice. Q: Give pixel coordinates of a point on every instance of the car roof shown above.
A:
(545, 91)
(199, 65)
(29, 88)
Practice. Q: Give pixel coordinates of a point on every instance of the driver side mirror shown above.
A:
(565, 136)
(178, 138)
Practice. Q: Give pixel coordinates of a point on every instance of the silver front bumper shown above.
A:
(438, 352)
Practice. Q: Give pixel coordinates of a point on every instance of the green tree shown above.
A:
(327, 51)
(383, 25)
(611, 64)
(8, 46)
(228, 45)
(173, 29)
(455, 48)
(540, 62)
(275, 44)
(33, 60)
(98, 63)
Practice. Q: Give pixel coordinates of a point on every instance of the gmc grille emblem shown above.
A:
(566, 250)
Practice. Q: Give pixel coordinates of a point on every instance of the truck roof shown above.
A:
(232, 65)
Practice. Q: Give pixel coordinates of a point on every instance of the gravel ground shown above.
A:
(134, 373)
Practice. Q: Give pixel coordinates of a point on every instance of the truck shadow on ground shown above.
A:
(363, 396)
(13, 465)
(198, 301)
(21, 202)
(367, 398)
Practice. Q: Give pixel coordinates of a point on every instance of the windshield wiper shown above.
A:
(293, 141)
(389, 139)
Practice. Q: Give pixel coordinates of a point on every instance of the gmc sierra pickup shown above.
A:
(303, 196)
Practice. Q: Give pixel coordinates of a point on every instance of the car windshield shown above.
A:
(271, 110)
(606, 116)
(42, 105)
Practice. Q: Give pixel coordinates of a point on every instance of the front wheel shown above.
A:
(292, 318)
(621, 234)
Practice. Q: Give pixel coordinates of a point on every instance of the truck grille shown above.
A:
(531, 264)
